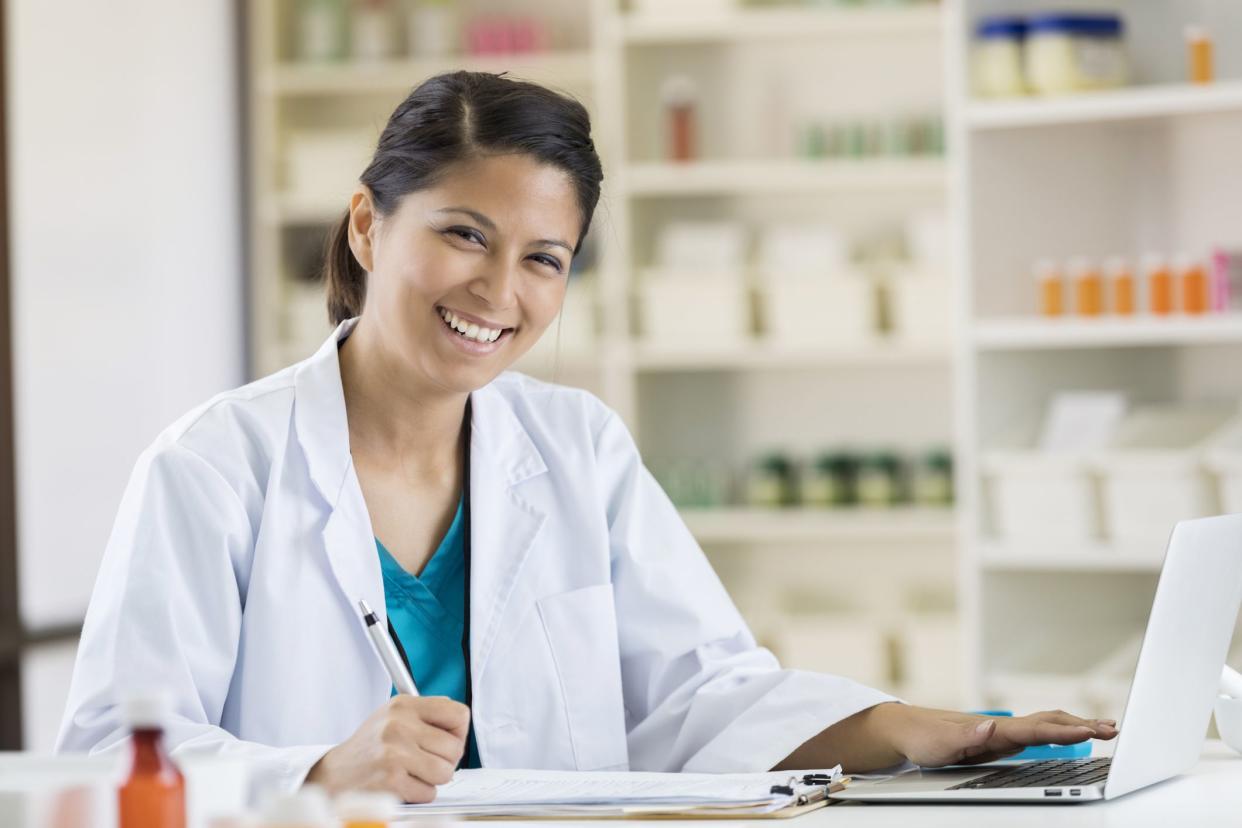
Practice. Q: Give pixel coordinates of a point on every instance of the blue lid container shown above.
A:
(1078, 25)
(998, 27)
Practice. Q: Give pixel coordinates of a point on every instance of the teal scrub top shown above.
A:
(427, 612)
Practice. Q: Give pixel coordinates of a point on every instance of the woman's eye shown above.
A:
(466, 233)
(548, 260)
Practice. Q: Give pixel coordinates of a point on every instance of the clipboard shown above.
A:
(789, 812)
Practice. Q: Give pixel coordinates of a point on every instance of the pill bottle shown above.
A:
(1088, 287)
(1159, 281)
(1051, 284)
(365, 809)
(306, 807)
(1198, 55)
(153, 793)
(1120, 279)
(679, 95)
(1192, 280)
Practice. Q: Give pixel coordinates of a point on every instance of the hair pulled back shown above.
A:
(452, 118)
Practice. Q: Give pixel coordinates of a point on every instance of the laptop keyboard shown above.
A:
(1050, 773)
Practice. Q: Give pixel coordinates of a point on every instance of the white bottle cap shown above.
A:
(679, 90)
(366, 806)
(1078, 265)
(1153, 261)
(306, 807)
(1114, 265)
(1046, 269)
(148, 708)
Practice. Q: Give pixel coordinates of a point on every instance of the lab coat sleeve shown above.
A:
(165, 615)
(700, 694)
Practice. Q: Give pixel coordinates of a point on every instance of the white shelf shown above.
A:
(650, 179)
(780, 23)
(747, 525)
(653, 358)
(1033, 333)
(1055, 556)
(569, 67)
(1134, 103)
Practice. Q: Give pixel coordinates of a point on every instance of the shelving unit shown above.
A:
(691, 401)
(1110, 173)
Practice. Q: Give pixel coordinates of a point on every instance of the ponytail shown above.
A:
(344, 279)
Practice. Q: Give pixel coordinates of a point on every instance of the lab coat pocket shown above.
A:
(581, 626)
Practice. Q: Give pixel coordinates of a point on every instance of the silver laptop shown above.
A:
(1175, 684)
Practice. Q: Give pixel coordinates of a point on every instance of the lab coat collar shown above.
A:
(499, 441)
(319, 415)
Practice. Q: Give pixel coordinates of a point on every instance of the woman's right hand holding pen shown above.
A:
(407, 747)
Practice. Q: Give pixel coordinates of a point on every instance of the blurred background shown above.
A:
(925, 313)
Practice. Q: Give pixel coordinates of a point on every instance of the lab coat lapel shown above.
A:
(323, 433)
(503, 525)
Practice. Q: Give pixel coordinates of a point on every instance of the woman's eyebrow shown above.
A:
(488, 224)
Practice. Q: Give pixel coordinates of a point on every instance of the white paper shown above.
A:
(518, 792)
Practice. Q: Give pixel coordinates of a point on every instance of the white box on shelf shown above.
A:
(830, 310)
(807, 248)
(1223, 458)
(1153, 473)
(1042, 496)
(325, 163)
(921, 302)
(835, 643)
(705, 246)
(695, 308)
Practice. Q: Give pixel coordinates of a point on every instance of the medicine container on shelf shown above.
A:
(1075, 53)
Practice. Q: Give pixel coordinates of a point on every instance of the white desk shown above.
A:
(1211, 794)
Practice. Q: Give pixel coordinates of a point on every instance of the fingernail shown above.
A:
(983, 726)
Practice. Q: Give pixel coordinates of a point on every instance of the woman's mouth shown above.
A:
(470, 335)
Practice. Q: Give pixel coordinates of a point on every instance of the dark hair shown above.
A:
(455, 117)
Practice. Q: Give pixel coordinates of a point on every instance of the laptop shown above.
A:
(1171, 695)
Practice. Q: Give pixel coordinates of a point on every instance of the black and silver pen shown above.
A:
(401, 678)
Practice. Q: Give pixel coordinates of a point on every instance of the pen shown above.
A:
(401, 678)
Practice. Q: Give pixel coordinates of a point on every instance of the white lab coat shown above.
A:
(600, 638)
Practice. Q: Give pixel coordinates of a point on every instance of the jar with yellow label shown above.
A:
(1075, 53)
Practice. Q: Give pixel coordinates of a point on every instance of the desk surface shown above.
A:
(1211, 794)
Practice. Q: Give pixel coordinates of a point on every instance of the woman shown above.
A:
(400, 464)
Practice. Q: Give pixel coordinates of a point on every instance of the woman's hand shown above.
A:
(933, 738)
(407, 747)
(888, 733)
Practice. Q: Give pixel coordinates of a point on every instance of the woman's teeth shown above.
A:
(468, 329)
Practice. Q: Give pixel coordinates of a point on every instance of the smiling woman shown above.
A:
(551, 606)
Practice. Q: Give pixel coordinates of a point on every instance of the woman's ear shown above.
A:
(362, 227)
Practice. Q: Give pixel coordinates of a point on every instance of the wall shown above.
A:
(126, 271)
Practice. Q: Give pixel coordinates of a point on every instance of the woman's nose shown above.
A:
(497, 286)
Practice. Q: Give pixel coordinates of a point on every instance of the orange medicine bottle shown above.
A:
(1121, 286)
(153, 795)
(1088, 287)
(1159, 284)
(1198, 55)
(1051, 283)
(1193, 279)
(366, 809)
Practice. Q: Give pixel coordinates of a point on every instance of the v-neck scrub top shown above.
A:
(427, 612)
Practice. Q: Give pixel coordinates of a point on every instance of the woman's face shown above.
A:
(464, 277)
